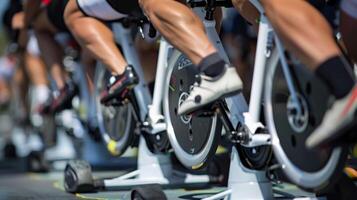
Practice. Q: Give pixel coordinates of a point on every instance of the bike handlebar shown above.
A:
(211, 3)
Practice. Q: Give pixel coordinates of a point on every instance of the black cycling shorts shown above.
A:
(55, 12)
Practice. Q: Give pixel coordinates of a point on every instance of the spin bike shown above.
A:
(291, 100)
(136, 117)
(294, 103)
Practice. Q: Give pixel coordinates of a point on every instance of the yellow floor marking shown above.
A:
(34, 176)
(57, 185)
(89, 198)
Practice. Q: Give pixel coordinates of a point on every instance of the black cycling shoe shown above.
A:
(64, 100)
(120, 85)
(45, 108)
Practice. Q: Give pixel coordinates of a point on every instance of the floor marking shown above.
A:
(57, 185)
(89, 198)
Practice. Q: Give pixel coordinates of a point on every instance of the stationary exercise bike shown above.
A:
(294, 104)
(135, 117)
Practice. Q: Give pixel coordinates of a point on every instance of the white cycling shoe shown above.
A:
(338, 121)
(208, 90)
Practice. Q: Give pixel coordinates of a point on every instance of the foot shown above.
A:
(64, 99)
(337, 122)
(119, 85)
(45, 107)
(207, 90)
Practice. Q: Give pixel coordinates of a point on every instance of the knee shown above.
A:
(148, 6)
(238, 4)
(277, 10)
(165, 11)
(270, 6)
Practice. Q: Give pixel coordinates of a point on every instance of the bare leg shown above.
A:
(4, 92)
(312, 45)
(88, 64)
(36, 70)
(20, 88)
(248, 11)
(147, 51)
(180, 26)
(306, 34)
(51, 50)
(96, 37)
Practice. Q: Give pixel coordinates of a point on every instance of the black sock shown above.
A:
(212, 65)
(337, 75)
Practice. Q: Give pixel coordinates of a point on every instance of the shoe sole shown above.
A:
(191, 111)
(115, 94)
(64, 105)
(338, 138)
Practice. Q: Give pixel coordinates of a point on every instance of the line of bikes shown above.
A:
(264, 136)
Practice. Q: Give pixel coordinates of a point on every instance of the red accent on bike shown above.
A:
(46, 2)
(103, 94)
(118, 83)
(351, 101)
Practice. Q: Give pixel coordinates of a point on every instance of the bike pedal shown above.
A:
(207, 111)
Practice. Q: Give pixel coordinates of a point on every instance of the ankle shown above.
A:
(337, 75)
(212, 65)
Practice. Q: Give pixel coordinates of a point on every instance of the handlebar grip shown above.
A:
(213, 3)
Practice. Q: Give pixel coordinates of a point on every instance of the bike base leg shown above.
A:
(154, 169)
(244, 183)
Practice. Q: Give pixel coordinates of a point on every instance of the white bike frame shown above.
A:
(152, 168)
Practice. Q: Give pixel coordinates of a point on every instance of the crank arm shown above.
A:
(154, 128)
(258, 139)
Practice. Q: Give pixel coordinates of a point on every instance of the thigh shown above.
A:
(43, 23)
(247, 10)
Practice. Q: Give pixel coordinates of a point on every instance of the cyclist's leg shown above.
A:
(180, 26)
(36, 70)
(20, 85)
(46, 27)
(314, 45)
(184, 30)
(35, 66)
(348, 26)
(248, 11)
(342, 118)
(96, 37)
(303, 30)
(307, 35)
(4, 92)
(88, 63)
(51, 51)
(37, 73)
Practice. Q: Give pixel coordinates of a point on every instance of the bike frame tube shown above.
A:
(155, 112)
(260, 63)
(287, 74)
(213, 36)
(124, 37)
(85, 95)
(259, 70)
(237, 104)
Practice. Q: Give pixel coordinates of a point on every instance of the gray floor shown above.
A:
(50, 186)
(15, 183)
